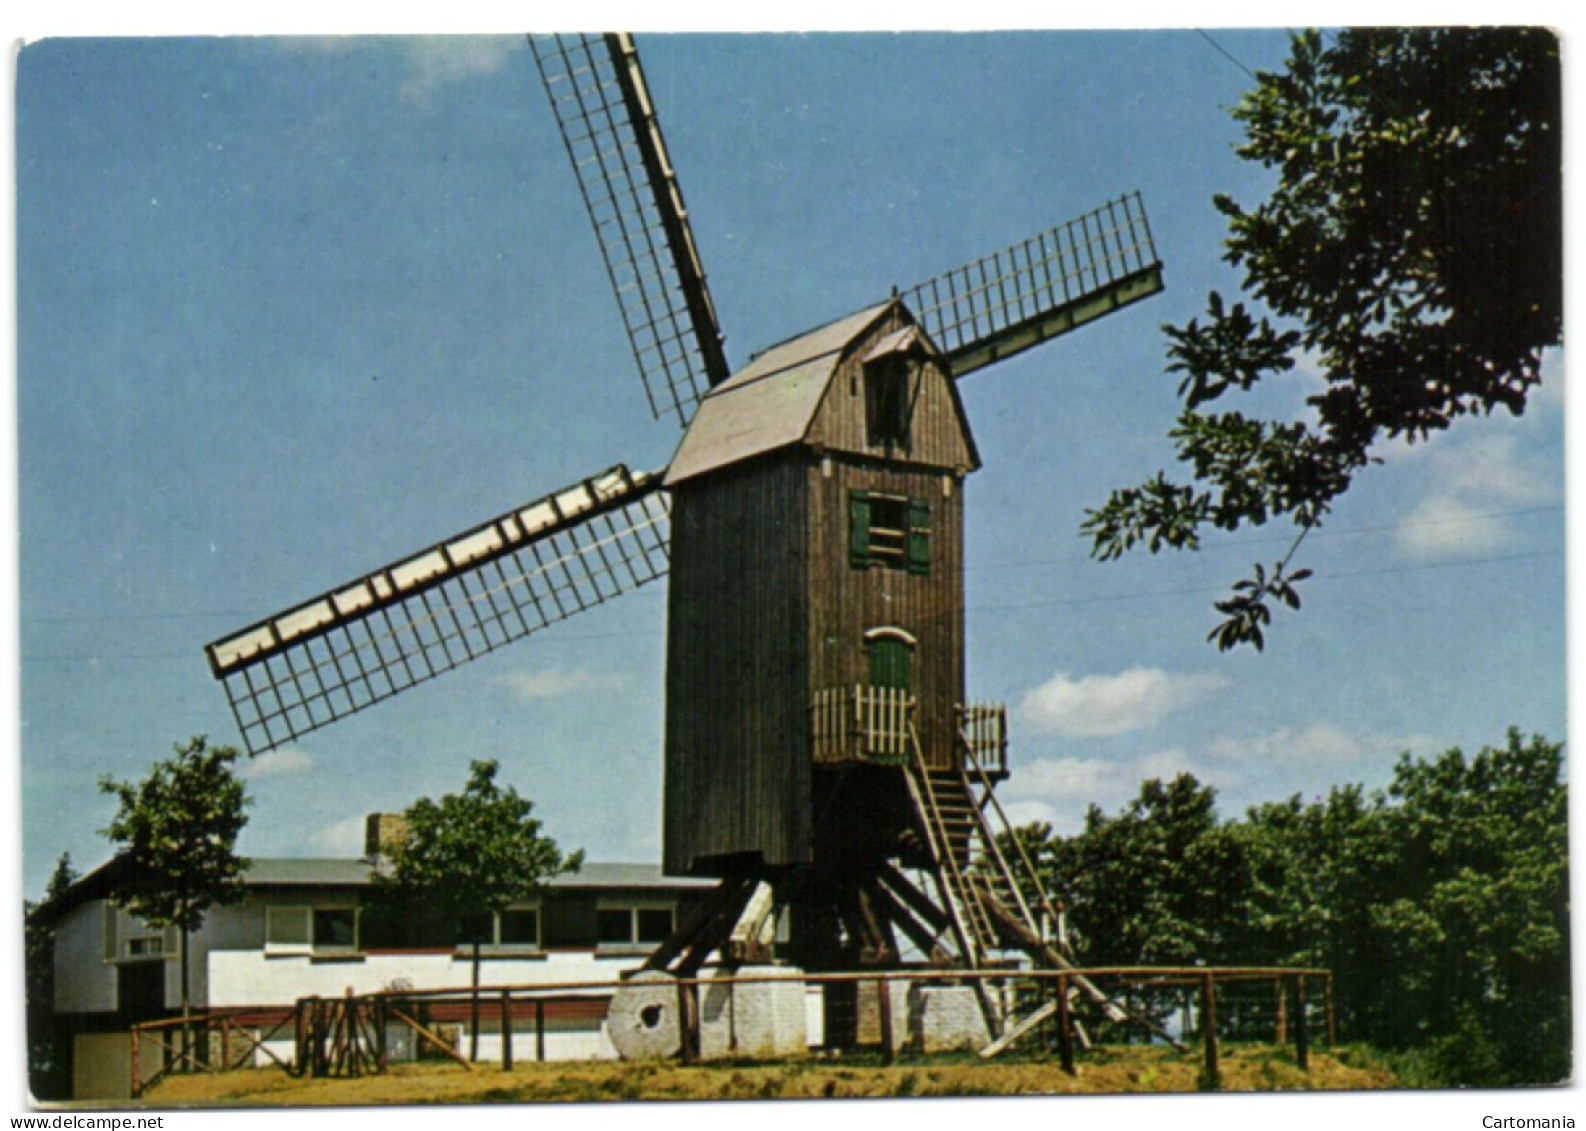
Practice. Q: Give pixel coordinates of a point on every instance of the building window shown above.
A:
(518, 926)
(127, 936)
(889, 531)
(287, 928)
(149, 946)
(633, 926)
(310, 928)
(887, 402)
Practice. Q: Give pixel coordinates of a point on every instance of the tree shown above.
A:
(48, 1062)
(177, 834)
(1412, 248)
(1440, 904)
(467, 857)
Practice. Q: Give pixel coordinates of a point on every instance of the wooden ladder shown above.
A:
(948, 835)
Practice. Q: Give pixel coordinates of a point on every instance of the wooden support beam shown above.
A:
(1019, 1029)
(900, 917)
(432, 1038)
(916, 900)
(699, 918)
(750, 938)
(715, 930)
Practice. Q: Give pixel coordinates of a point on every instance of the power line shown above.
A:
(1226, 54)
(1063, 601)
(1202, 590)
(1323, 532)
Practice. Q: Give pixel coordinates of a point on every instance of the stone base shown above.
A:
(760, 1019)
(948, 1018)
(868, 1027)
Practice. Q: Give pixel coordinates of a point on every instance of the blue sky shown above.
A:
(291, 309)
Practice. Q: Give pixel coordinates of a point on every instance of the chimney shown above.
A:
(380, 832)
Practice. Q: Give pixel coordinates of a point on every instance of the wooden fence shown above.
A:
(347, 1036)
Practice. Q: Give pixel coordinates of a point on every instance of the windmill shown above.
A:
(820, 754)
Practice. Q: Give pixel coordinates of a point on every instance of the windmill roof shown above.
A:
(770, 402)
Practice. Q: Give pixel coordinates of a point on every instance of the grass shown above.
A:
(1252, 1068)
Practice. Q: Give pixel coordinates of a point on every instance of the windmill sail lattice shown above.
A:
(388, 630)
(614, 141)
(1029, 293)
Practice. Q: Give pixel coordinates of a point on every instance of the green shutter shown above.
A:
(919, 536)
(859, 529)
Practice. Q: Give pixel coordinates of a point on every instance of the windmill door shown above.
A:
(889, 662)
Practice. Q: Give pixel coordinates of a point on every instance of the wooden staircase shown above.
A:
(997, 905)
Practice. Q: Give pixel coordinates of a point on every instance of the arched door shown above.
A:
(891, 652)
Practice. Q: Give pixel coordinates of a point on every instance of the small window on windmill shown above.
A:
(889, 531)
(888, 368)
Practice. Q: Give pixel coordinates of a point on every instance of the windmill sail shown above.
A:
(1054, 282)
(631, 193)
(388, 630)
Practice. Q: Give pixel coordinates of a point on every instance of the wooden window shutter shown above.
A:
(859, 529)
(919, 536)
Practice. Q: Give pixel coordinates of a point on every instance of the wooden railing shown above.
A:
(984, 727)
(346, 1036)
(862, 724)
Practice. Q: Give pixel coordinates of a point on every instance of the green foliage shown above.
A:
(1440, 903)
(49, 1063)
(177, 832)
(1412, 248)
(468, 856)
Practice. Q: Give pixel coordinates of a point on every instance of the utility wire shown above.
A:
(1226, 54)
(1063, 601)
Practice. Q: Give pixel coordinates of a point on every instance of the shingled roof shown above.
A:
(770, 403)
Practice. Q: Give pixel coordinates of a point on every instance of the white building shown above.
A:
(311, 927)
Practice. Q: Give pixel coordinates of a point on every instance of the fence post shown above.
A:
(354, 1044)
(1210, 1079)
(506, 1030)
(539, 1029)
(889, 1043)
(687, 1049)
(1332, 1030)
(1283, 1010)
(382, 1055)
(1065, 1027)
(1302, 1040)
(137, 1064)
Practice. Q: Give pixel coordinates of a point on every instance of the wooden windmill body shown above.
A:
(818, 739)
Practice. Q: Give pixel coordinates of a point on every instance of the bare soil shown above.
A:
(1103, 1071)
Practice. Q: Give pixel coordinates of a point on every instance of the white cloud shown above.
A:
(1245, 770)
(1098, 706)
(553, 683)
(429, 62)
(275, 763)
(1319, 746)
(436, 61)
(1447, 526)
(344, 838)
(1480, 469)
